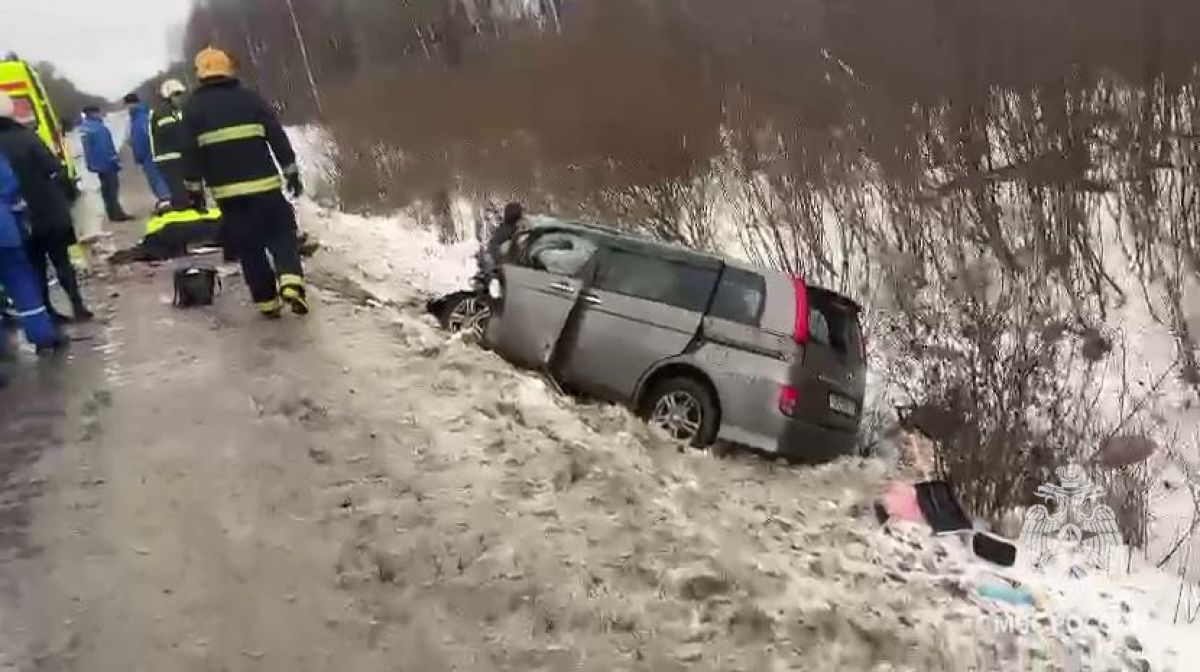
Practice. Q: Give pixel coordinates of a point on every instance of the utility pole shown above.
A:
(554, 12)
(312, 81)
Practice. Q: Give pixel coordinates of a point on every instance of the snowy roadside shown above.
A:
(611, 548)
(1123, 620)
(391, 256)
(825, 560)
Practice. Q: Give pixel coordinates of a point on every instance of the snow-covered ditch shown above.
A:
(753, 566)
(582, 539)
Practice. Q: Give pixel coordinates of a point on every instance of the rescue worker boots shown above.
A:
(291, 289)
(295, 298)
(272, 310)
(291, 294)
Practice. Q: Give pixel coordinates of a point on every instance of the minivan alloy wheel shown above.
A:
(680, 414)
(470, 314)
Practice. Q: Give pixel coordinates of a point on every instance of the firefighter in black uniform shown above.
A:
(167, 141)
(231, 135)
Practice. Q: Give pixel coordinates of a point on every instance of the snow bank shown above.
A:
(391, 255)
(531, 531)
(718, 564)
(316, 155)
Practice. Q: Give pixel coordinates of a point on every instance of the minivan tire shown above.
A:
(683, 397)
(465, 312)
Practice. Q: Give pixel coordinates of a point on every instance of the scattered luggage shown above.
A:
(941, 508)
(994, 549)
(899, 502)
(935, 504)
(1019, 596)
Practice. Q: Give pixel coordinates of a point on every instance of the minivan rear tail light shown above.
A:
(789, 400)
(800, 329)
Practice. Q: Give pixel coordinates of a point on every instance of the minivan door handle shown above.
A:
(593, 299)
(563, 287)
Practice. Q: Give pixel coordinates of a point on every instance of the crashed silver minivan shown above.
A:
(708, 349)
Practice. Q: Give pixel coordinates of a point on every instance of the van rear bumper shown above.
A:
(802, 441)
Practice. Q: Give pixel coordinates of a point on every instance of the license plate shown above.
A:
(842, 405)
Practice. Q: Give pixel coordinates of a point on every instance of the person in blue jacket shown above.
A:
(143, 149)
(16, 275)
(100, 154)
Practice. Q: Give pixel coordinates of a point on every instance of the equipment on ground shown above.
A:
(994, 549)
(195, 286)
(169, 233)
(174, 233)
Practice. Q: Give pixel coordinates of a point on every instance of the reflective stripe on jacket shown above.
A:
(234, 141)
(172, 217)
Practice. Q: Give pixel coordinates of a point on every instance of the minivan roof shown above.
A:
(630, 239)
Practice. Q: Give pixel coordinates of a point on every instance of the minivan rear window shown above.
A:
(676, 283)
(835, 324)
(740, 297)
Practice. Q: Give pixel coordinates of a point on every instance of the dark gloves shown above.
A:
(294, 186)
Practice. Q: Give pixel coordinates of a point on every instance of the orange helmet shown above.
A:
(212, 62)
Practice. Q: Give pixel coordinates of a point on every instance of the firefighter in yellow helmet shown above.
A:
(233, 141)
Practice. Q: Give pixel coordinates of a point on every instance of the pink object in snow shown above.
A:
(899, 501)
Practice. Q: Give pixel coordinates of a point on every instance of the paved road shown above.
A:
(165, 489)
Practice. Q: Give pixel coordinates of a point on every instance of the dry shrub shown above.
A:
(558, 115)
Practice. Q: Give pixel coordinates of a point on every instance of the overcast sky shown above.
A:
(105, 46)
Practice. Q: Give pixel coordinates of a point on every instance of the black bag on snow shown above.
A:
(195, 286)
(994, 549)
(941, 507)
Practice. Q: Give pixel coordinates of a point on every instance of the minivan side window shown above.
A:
(667, 281)
(740, 297)
(559, 252)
